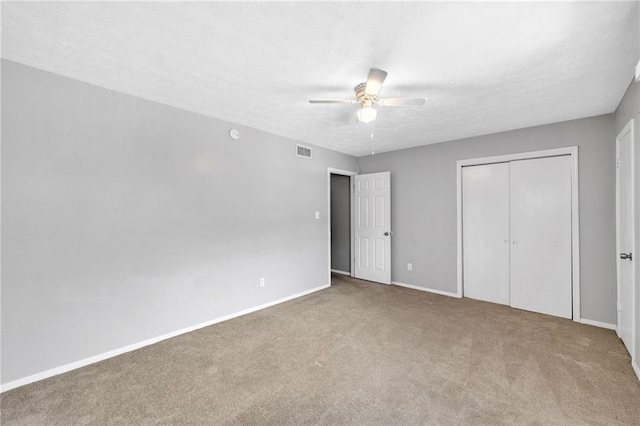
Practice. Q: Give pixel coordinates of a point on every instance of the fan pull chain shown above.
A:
(372, 151)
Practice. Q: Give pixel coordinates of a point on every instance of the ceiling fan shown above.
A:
(367, 97)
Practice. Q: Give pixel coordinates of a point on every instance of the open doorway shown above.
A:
(340, 215)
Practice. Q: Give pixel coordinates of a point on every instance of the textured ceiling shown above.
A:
(484, 67)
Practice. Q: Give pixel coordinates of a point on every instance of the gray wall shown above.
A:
(629, 108)
(340, 223)
(125, 219)
(423, 194)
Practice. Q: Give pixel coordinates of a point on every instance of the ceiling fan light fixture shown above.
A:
(367, 114)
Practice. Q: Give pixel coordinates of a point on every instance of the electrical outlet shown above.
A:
(619, 306)
(409, 267)
(262, 282)
(317, 215)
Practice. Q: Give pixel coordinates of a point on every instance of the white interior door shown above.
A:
(625, 237)
(485, 228)
(373, 227)
(540, 202)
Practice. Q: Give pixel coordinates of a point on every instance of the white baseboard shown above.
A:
(429, 290)
(106, 355)
(341, 272)
(598, 324)
(636, 369)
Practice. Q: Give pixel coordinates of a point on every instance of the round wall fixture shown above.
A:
(234, 134)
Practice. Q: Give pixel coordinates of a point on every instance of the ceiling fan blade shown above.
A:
(333, 101)
(402, 102)
(374, 81)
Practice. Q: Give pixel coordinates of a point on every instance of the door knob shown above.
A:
(386, 234)
(626, 256)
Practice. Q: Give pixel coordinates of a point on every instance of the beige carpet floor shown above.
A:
(357, 353)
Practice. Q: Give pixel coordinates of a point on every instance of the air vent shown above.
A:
(303, 151)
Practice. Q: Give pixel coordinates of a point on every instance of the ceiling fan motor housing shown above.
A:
(361, 94)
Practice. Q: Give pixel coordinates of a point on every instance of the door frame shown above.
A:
(627, 129)
(575, 217)
(351, 175)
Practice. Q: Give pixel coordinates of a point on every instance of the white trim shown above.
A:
(351, 174)
(429, 290)
(110, 354)
(341, 272)
(459, 227)
(636, 368)
(569, 150)
(575, 206)
(598, 324)
(352, 206)
(575, 235)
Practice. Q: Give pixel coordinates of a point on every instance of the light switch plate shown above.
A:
(317, 215)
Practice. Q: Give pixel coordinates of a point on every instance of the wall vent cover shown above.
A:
(303, 151)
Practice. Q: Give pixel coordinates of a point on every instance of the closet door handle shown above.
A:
(625, 256)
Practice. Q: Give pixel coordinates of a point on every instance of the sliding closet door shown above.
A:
(540, 192)
(485, 230)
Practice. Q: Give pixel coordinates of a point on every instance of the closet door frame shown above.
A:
(575, 222)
